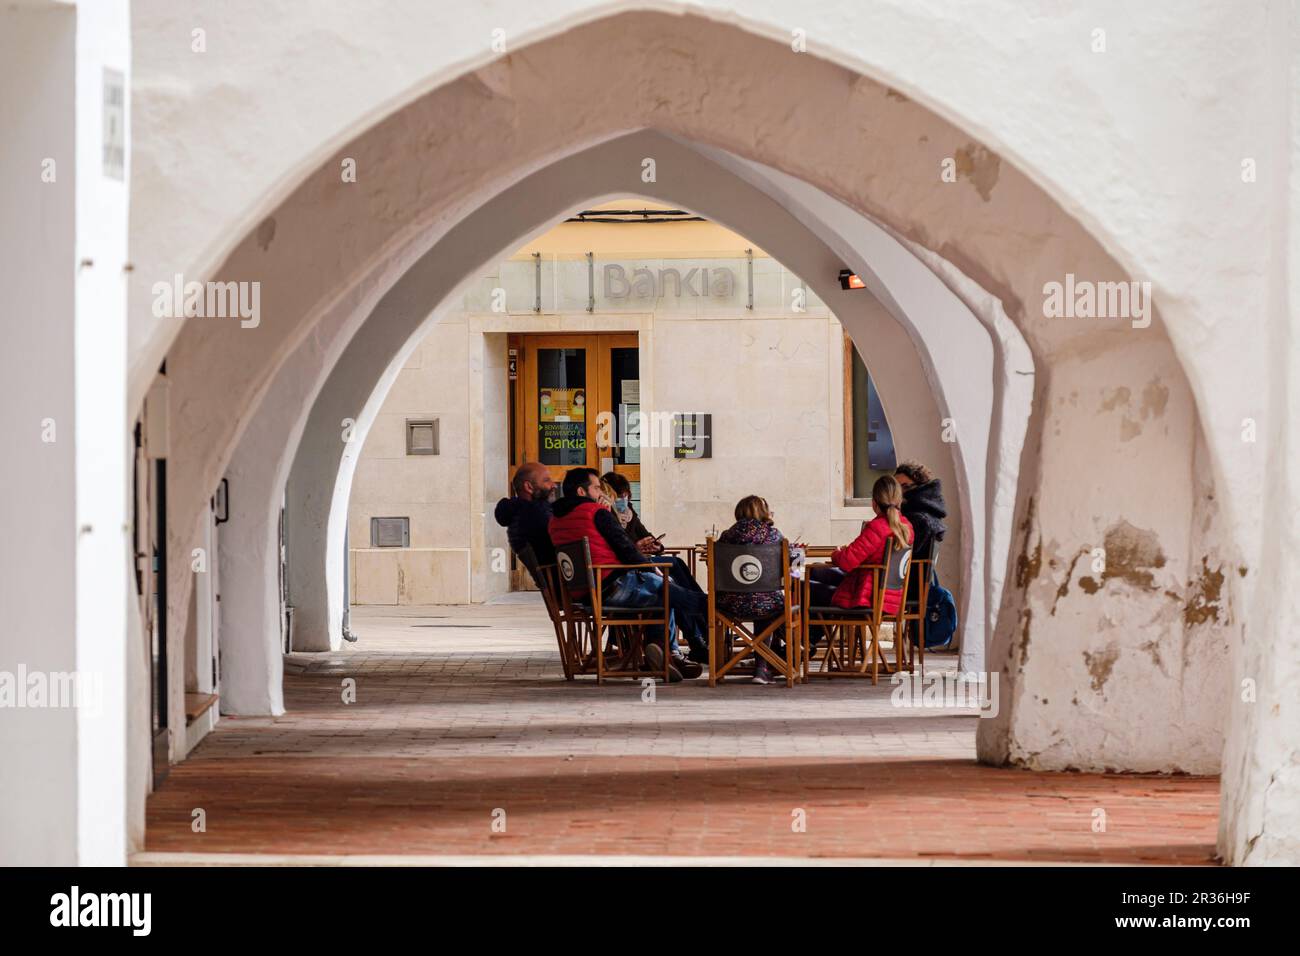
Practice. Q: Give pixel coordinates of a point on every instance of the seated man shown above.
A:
(527, 515)
(580, 514)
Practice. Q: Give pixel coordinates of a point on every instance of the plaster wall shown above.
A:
(103, 490)
(63, 245)
(38, 746)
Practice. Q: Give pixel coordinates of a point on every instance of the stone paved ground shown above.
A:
(461, 713)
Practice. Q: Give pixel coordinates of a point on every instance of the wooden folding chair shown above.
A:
(589, 619)
(746, 569)
(913, 617)
(852, 647)
(574, 657)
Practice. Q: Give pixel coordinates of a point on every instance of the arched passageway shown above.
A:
(913, 382)
(1142, 637)
(912, 385)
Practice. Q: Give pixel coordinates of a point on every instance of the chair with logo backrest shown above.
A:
(852, 635)
(749, 569)
(574, 657)
(915, 611)
(589, 618)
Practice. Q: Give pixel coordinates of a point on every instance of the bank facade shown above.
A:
(631, 338)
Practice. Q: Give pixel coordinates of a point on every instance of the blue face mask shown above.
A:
(620, 504)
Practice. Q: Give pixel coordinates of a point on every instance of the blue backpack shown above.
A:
(940, 617)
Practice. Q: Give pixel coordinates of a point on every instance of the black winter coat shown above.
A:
(923, 507)
(526, 523)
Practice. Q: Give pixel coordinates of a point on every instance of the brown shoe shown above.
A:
(690, 670)
(654, 658)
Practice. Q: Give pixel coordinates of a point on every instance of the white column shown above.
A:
(103, 537)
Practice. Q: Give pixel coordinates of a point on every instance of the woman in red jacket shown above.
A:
(846, 583)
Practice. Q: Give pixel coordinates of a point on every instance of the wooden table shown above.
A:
(687, 552)
(693, 554)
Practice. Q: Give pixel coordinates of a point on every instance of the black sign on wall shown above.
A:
(692, 435)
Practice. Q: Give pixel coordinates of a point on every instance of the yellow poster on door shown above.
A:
(562, 405)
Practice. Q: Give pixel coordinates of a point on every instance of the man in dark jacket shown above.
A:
(923, 507)
(526, 515)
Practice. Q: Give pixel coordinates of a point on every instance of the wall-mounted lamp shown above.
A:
(850, 280)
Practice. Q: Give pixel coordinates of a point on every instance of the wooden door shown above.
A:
(574, 389)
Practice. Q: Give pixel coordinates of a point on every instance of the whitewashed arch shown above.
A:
(1010, 245)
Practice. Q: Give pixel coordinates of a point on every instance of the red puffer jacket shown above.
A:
(867, 548)
(576, 518)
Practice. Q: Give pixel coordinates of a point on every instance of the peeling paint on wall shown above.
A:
(1064, 589)
(1113, 398)
(265, 233)
(980, 166)
(1205, 598)
(1155, 397)
(1100, 665)
(1132, 554)
(1028, 565)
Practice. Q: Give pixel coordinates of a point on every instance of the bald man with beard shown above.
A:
(526, 515)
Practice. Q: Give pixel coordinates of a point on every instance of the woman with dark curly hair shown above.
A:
(923, 507)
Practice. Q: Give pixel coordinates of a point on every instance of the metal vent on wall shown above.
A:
(390, 532)
(422, 436)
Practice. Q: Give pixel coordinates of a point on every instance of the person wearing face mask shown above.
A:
(526, 515)
(627, 516)
(645, 542)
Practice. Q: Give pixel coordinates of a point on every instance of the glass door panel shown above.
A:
(570, 384)
(561, 397)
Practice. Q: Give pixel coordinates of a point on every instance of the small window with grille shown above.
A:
(390, 532)
(422, 436)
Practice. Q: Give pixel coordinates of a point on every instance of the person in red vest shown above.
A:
(581, 513)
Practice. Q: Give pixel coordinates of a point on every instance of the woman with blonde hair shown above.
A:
(847, 583)
(608, 496)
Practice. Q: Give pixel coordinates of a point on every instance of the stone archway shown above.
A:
(317, 491)
(1114, 433)
(920, 402)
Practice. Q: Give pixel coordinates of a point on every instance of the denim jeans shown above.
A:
(639, 589)
(689, 607)
(678, 572)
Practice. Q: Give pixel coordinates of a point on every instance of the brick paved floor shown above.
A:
(461, 713)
